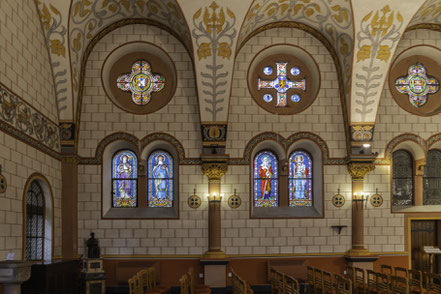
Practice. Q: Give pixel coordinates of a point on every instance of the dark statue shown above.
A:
(93, 250)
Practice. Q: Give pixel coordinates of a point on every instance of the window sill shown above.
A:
(423, 208)
(142, 213)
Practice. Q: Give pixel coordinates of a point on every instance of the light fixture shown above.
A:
(214, 197)
(366, 145)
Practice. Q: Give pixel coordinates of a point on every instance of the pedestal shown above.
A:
(363, 262)
(93, 277)
(13, 274)
(215, 273)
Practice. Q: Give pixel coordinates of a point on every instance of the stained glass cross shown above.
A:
(281, 84)
(417, 84)
(141, 82)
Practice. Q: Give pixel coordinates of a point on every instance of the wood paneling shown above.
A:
(253, 269)
(423, 233)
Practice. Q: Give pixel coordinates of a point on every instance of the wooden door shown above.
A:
(423, 233)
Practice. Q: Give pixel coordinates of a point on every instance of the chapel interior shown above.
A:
(220, 146)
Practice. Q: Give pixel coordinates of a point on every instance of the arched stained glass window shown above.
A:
(402, 178)
(266, 183)
(300, 179)
(124, 179)
(432, 178)
(34, 222)
(160, 179)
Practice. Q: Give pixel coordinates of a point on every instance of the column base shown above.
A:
(218, 254)
(215, 269)
(356, 252)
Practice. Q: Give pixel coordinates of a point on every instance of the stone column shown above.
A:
(358, 170)
(69, 207)
(214, 169)
(419, 174)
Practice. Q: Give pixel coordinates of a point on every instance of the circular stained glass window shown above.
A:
(267, 70)
(295, 71)
(268, 98)
(295, 98)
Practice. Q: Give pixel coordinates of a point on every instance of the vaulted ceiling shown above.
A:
(361, 36)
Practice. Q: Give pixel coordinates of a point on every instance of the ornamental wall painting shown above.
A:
(300, 179)
(160, 179)
(124, 179)
(265, 180)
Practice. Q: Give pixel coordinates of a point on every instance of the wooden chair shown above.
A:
(399, 285)
(401, 272)
(318, 281)
(386, 269)
(342, 285)
(371, 281)
(183, 281)
(196, 288)
(383, 283)
(433, 283)
(415, 281)
(291, 285)
(359, 282)
(280, 283)
(239, 285)
(273, 280)
(132, 289)
(152, 286)
(327, 286)
(310, 281)
(143, 280)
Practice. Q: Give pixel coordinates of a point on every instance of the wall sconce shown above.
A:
(214, 197)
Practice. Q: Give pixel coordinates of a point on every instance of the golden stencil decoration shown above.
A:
(215, 170)
(338, 200)
(234, 200)
(358, 170)
(194, 201)
(376, 199)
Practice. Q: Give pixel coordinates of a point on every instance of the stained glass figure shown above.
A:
(267, 70)
(300, 179)
(402, 178)
(281, 84)
(417, 84)
(432, 178)
(124, 178)
(295, 98)
(141, 82)
(160, 179)
(265, 180)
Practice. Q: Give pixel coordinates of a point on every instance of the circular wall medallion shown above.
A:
(194, 201)
(376, 200)
(234, 201)
(139, 77)
(414, 83)
(338, 200)
(283, 79)
(3, 184)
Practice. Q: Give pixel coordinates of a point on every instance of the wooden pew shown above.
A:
(318, 281)
(401, 272)
(383, 284)
(357, 277)
(371, 281)
(310, 280)
(327, 285)
(386, 269)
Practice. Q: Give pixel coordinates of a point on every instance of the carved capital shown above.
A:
(214, 170)
(358, 170)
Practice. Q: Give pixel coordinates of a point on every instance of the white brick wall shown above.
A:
(100, 117)
(24, 59)
(19, 161)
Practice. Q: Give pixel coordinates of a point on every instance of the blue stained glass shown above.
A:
(267, 70)
(300, 179)
(295, 98)
(160, 179)
(268, 98)
(295, 71)
(265, 180)
(124, 178)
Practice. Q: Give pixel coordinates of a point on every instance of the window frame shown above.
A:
(431, 177)
(312, 176)
(131, 179)
(412, 160)
(256, 179)
(43, 226)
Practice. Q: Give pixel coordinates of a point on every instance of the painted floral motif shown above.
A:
(141, 82)
(417, 84)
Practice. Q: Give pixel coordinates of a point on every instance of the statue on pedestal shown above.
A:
(93, 250)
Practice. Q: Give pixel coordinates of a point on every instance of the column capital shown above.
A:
(70, 159)
(420, 164)
(358, 170)
(214, 166)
